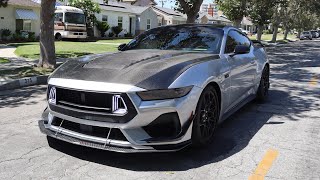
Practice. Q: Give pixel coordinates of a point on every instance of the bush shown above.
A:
(116, 30)
(20, 36)
(268, 31)
(5, 33)
(102, 27)
(32, 36)
(128, 35)
(111, 34)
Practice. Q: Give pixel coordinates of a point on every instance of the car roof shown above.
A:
(216, 26)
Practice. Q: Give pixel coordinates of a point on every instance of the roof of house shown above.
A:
(170, 12)
(123, 7)
(28, 3)
(152, 2)
(214, 17)
(246, 21)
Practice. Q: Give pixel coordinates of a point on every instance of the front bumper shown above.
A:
(107, 146)
(136, 138)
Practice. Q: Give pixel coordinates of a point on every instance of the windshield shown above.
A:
(185, 38)
(306, 32)
(75, 18)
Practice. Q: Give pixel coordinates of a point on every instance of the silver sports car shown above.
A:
(166, 89)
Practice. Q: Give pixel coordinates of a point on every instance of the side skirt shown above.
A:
(237, 107)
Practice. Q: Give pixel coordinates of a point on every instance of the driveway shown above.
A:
(279, 139)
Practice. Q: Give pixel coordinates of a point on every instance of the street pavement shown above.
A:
(279, 139)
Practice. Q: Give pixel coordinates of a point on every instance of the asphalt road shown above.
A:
(279, 139)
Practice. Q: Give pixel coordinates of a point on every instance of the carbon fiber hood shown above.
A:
(148, 69)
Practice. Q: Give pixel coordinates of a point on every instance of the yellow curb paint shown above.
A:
(314, 81)
(264, 165)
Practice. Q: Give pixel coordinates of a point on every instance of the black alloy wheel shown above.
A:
(206, 117)
(264, 86)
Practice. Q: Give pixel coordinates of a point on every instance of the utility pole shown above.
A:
(162, 2)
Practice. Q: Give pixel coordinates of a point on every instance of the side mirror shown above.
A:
(121, 46)
(242, 49)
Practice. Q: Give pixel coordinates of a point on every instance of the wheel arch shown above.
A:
(217, 88)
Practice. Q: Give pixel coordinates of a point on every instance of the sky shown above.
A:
(171, 3)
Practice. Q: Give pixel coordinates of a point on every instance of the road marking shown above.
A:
(264, 165)
(314, 81)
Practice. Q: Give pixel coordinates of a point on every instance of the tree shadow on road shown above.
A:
(231, 137)
(16, 98)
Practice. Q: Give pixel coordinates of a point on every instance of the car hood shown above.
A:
(147, 69)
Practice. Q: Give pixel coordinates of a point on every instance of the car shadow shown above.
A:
(231, 137)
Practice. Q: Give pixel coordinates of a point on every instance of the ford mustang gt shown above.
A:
(166, 89)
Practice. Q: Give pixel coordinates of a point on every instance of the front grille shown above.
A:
(91, 101)
(94, 106)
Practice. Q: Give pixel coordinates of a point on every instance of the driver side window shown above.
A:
(235, 38)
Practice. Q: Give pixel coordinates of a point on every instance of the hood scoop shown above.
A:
(126, 59)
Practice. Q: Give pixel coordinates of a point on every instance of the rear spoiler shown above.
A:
(258, 43)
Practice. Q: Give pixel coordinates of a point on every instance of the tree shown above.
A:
(47, 49)
(235, 10)
(189, 7)
(260, 11)
(89, 8)
(4, 3)
(103, 27)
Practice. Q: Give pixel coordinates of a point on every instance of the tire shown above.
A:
(58, 37)
(206, 117)
(263, 90)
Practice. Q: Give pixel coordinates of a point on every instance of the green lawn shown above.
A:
(67, 49)
(26, 71)
(268, 37)
(3, 61)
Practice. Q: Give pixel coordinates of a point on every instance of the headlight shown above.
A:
(164, 93)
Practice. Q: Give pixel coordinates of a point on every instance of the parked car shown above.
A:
(167, 89)
(314, 34)
(306, 35)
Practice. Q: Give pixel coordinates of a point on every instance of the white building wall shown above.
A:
(113, 20)
(8, 18)
(148, 14)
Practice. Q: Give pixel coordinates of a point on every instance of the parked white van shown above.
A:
(69, 22)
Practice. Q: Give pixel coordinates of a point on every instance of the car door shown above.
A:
(242, 67)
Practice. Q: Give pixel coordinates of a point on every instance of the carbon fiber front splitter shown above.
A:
(77, 141)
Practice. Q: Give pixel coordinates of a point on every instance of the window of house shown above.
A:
(120, 21)
(27, 25)
(104, 18)
(148, 24)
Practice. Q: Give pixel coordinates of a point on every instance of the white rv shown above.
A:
(69, 22)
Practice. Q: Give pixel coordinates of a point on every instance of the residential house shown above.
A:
(247, 25)
(133, 19)
(210, 8)
(205, 18)
(168, 16)
(21, 15)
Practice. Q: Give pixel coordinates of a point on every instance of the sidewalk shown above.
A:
(7, 51)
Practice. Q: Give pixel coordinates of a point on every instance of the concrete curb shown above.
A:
(23, 82)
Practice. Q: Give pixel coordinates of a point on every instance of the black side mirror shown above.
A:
(121, 46)
(242, 49)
